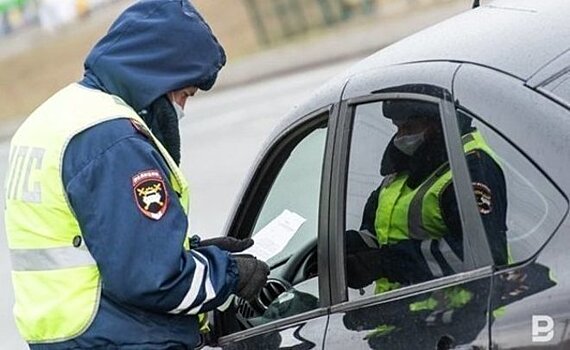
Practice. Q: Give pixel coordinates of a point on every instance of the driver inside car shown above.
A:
(411, 229)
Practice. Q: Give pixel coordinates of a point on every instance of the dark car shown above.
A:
(501, 70)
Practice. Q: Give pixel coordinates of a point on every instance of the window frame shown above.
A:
(432, 285)
(477, 254)
(253, 199)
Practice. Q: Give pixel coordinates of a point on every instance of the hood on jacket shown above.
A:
(154, 47)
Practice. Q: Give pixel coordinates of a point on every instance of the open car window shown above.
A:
(294, 196)
(283, 221)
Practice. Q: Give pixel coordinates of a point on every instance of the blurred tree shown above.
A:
(256, 18)
(277, 19)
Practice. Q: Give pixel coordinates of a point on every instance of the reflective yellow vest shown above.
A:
(403, 213)
(56, 281)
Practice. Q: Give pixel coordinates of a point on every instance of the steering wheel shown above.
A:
(286, 272)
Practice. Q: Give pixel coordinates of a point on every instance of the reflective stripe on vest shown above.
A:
(50, 259)
(405, 213)
(56, 284)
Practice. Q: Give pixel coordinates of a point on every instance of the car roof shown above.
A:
(516, 37)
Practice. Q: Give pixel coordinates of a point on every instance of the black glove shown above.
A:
(252, 276)
(229, 244)
(363, 267)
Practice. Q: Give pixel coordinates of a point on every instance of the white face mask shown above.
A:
(409, 144)
(179, 110)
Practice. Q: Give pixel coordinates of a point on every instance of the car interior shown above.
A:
(288, 181)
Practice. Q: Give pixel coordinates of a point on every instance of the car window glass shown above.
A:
(294, 196)
(519, 206)
(402, 221)
(297, 190)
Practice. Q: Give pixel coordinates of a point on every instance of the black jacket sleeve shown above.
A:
(402, 262)
(369, 215)
(490, 192)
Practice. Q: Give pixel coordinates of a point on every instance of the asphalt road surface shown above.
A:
(221, 136)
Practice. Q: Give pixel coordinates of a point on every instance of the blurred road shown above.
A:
(221, 136)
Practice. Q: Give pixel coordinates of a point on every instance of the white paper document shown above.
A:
(273, 238)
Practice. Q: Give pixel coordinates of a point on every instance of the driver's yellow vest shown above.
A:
(403, 213)
(56, 280)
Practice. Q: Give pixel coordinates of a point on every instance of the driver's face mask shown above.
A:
(409, 144)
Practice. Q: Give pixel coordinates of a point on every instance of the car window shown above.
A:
(515, 200)
(287, 220)
(402, 220)
(296, 190)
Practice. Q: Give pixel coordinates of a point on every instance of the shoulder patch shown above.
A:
(150, 193)
(483, 196)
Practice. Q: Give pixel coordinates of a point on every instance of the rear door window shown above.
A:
(512, 195)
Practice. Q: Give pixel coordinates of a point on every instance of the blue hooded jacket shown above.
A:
(152, 289)
(154, 47)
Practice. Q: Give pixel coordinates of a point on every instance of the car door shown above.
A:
(286, 195)
(529, 132)
(448, 311)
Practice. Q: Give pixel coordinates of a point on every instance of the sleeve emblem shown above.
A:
(483, 197)
(150, 194)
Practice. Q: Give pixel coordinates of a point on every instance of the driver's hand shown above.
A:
(252, 276)
(230, 244)
(363, 267)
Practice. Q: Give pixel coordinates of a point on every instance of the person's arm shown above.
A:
(369, 214)
(367, 260)
(489, 188)
(403, 262)
(142, 260)
(493, 209)
(366, 236)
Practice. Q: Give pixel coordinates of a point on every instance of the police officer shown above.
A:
(96, 207)
(411, 230)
